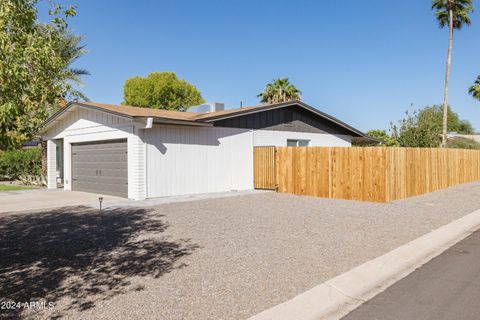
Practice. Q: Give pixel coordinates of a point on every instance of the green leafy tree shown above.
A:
(382, 135)
(423, 128)
(35, 77)
(417, 130)
(280, 90)
(454, 14)
(474, 90)
(454, 124)
(161, 90)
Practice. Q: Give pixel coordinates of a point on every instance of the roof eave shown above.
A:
(366, 140)
(53, 118)
(283, 105)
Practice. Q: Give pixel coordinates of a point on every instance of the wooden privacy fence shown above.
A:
(368, 174)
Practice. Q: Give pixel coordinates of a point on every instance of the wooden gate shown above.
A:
(264, 175)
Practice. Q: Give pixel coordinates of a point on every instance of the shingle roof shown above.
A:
(142, 112)
(170, 114)
(199, 118)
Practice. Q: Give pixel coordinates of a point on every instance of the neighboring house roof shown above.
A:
(366, 140)
(31, 143)
(474, 137)
(193, 118)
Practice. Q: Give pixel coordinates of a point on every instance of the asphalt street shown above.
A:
(447, 287)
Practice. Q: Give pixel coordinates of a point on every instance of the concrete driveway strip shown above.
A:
(448, 287)
(40, 199)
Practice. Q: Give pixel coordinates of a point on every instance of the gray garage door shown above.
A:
(100, 167)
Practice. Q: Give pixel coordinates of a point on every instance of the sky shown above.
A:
(364, 62)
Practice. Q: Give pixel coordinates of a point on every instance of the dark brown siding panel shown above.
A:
(284, 119)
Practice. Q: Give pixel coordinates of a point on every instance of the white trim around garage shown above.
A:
(90, 126)
(51, 164)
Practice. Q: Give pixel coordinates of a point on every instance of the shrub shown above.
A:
(17, 164)
(463, 143)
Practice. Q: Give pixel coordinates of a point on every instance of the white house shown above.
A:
(145, 153)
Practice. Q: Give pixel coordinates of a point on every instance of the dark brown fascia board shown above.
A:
(283, 105)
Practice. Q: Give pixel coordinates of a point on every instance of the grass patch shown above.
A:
(12, 187)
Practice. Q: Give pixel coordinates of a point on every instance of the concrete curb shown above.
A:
(338, 296)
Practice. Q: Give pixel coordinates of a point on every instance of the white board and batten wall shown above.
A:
(187, 160)
(263, 138)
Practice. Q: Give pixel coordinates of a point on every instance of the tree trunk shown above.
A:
(447, 77)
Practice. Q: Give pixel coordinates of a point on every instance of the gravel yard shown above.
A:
(227, 258)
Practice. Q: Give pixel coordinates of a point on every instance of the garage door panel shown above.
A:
(100, 157)
(95, 171)
(100, 188)
(85, 163)
(86, 185)
(100, 167)
(113, 179)
(98, 145)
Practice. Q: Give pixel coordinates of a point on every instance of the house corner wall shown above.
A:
(137, 164)
(51, 164)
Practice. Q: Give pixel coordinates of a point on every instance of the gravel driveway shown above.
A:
(226, 258)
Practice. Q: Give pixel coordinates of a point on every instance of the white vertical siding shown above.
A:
(51, 164)
(67, 165)
(189, 160)
(83, 120)
(82, 125)
(174, 160)
(279, 138)
(137, 166)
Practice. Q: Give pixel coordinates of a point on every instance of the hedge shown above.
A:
(15, 164)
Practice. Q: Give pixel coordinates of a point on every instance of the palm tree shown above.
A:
(71, 50)
(454, 14)
(280, 90)
(474, 90)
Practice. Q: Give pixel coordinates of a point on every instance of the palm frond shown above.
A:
(80, 72)
(77, 95)
(461, 10)
(474, 90)
(279, 90)
(71, 49)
